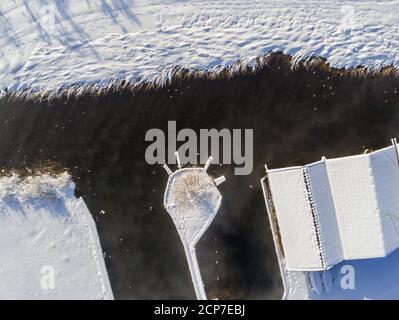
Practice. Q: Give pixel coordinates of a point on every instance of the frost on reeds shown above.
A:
(176, 74)
(45, 185)
(193, 190)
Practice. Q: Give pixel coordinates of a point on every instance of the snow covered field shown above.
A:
(49, 245)
(47, 45)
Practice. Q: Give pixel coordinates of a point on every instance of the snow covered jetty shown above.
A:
(333, 212)
(49, 247)
(192, 200)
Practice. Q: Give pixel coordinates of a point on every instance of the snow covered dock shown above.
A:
(336, 211)
(192, 199)
(49, 247)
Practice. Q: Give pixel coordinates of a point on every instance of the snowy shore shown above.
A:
(95, 43)
(49, 242)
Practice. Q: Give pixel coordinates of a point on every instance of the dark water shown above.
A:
(297, 117)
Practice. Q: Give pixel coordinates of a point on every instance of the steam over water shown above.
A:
(297, 116)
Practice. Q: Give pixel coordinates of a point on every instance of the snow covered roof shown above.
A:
(53, 44)
(337, 209)
(49, 246)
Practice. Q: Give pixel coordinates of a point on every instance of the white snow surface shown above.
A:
(296, 225)
(49, 247)
(52, 45)
(374, 279)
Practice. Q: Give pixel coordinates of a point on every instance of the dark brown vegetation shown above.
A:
(297, 115)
